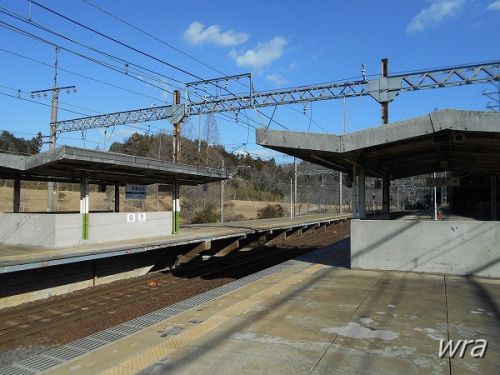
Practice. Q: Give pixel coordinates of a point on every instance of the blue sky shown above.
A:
(283, 43)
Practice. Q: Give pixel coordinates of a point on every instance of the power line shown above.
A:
(43, 104)
(139, 51)
(107, 65)
(154, 37)
(115, 40)
(177, 49)
(44, 97)
(80, 75)
(127, 63)
(28, 34)
(136, 127)
(62, 137)
(109, 84)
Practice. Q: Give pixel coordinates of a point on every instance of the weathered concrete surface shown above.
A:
(14, 258)
(449, 247)
(312, 318)
(441, 140)
(44, 283)
(65, 229)
(32, 273)
(66, 163)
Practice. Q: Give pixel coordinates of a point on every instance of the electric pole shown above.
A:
(53, 122)
(385, 105)
(222, 196)
(341, 210)
(199, 134)
(294, 186)
(177, 131)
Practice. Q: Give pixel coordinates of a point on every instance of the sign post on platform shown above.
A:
(133, 191)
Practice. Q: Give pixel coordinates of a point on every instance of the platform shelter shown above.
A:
(86, 167)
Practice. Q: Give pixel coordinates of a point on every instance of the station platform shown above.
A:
(310, 315)
(19, 258)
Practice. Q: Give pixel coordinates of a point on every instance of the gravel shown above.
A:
(89, 322)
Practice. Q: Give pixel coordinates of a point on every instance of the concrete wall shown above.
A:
(61, 230)
(31, 285)
(27, 229)
(449, 247)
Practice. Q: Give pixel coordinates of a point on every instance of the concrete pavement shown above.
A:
(15, 258)
(316, 318)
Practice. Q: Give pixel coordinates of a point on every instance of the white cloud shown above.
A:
(198, 34)
(494, 5)
(277, 79)
(437, 12)
(262, 55)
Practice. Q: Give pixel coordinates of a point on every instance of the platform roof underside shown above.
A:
(446, 140)
(69, 163)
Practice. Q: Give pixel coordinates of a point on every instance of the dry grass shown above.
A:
(36, 201)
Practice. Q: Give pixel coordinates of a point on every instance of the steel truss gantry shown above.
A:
(225, 94)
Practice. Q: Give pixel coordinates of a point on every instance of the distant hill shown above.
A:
(9, 143)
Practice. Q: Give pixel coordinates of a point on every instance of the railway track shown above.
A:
(33, 320)
(54, 321)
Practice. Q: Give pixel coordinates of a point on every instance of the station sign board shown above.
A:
(442, 181)
(133, 191)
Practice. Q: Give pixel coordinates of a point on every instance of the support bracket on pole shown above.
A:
(384, 89)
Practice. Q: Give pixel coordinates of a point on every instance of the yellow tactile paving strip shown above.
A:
(154, 352)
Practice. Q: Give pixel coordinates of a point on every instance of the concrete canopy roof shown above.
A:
(67, 164)
(452, 140)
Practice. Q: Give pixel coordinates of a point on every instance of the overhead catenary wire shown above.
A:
(107, 65)
(106, 83)
(127, 63)
(80, 75)
(39, 103)
(190, 56)
(113, 85)
(65, 103)
(135, 127)
(126, 45)
(154, 37)
(33, 134)
(93, 30)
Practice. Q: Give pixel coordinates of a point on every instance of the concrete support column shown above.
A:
(355, 193)
(386, 195)
(341, 210)
(222, 201)
(17, 195)
(449, 198)
(362, 195)
(222, 197)
(493, 180)
(176, 207)
(84, 205)
(117, 197)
